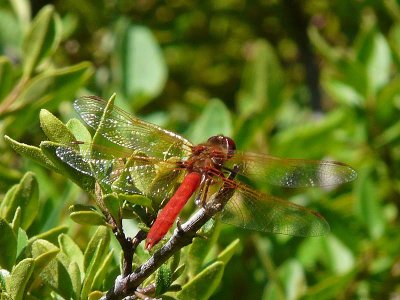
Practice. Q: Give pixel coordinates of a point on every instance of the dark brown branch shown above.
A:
(182, 236)
(128, 245)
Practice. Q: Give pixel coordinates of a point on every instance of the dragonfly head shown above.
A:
(226, 143)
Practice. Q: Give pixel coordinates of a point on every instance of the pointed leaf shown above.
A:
(71, 249)
(22, 241)
(84, 181)
(4, 277)
(100, 238)
(204, 284)
(96, 295)
(113, 204)
(48, 89)
(55, 273)
(201, 246)
(6, 76)
(88, 218)
(136, 199)
(102, 271)
(25, 196)
(91, 271)
(368, 207)
(79, 131)
(16, 222)
(20, 276)
(75, 274)
(54, 129)
(163, 279)
(41, 39)
(31, 152)
(293, 278)
(8, 245)
(141, 64)
(215, 119)
(50, 235)
(226, 255)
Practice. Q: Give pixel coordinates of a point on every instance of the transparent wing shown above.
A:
(257, 211)
(291, 172)
(122, 171)
(123, 129)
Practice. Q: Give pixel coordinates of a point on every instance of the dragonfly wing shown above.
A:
(121, 128)
(291, 173)
(122, 172)
(257, 211)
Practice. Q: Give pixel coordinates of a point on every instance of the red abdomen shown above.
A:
(170, 212)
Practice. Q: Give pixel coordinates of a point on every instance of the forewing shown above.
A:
(122, 171)
(123, 129)
(257, 211)
(291, 173)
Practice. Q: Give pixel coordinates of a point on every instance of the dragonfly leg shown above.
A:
(201, 197)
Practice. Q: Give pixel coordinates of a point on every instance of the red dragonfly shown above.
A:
(146, 159)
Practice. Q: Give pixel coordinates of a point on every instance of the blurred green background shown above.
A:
(303, 79)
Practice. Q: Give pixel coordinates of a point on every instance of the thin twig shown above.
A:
(128, 245)
(182, 236)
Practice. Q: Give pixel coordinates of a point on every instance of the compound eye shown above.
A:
(230, 146)
(227, 143)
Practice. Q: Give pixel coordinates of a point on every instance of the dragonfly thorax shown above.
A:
(211, 155)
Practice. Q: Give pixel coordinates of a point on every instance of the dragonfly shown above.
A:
(145, 159)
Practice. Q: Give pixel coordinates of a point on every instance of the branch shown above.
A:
(182, 236)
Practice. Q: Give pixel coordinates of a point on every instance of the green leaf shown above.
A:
(322, 46)
(4, 277)
(8, 199)
(85, 217)
(20, 276)
(368, 208)
(204, 284)
(54, 129)
(102, 271)
(26, 196)
(100, 238)
(8, 245)
(79, 131)
(75, 274)
(226, 255)
(50, 235)
(200, 247)
(142, 68)
(262, 81)
(293, 278)
(316, 136)
(136, 199)
(163, 279)
(22, 241)
(71, 249)
(338, 256)
(41, 40)
(373, 52)
(214, 120)
(55, 273)
(6, 77)
(91, 271)
(330, 287)
(96, 295)
(42, 259)
(113, 205)
(16, 222)
(49, 88)
(178, 272)
(30, 152)
(86, 182)
(343, 93)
